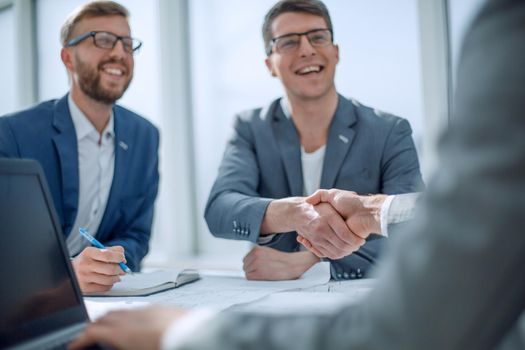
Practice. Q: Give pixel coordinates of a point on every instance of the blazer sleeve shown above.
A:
(135, 236)
(399, 174)
(399, 164)
(8, 146)
(234, 209)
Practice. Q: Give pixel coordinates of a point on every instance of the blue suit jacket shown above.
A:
(46, 133)
(366, 152)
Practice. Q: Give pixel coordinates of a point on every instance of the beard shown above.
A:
(89, 83)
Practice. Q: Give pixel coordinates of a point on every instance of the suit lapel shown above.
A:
(289, 147)
(65, 143)
(340, 137)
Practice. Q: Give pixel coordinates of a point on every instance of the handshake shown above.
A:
(336, 223)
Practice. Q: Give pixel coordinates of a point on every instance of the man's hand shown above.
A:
(97, 269)
(263, 263)
(322, 225)
(129, 329)
(362, 213)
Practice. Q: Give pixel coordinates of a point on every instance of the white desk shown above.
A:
(222, 289)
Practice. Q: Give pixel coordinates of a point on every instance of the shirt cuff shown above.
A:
(384, 215)
(184, 328)
(263, 240)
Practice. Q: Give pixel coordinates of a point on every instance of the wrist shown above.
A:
(373, 205)
(304, 260)
(281, 215)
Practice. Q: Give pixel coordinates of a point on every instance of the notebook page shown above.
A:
(145, 280)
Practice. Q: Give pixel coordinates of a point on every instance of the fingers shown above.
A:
(328, 232)
(318, 197)
(101, 279)
(109, 255)
(264, 263)
(305, 242)
(261, 256)
(249, 260)
(94, 333)
(99, 261)
(346, 239)
(97, 270)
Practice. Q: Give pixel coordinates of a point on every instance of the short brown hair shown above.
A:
(89, 10)
(313, 7)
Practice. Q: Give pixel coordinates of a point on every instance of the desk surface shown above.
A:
(222, 289)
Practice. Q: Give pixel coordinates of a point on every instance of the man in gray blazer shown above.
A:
(455, 280)
(312, 138)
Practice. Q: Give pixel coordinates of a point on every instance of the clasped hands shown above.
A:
(339, 222)
(330, 223)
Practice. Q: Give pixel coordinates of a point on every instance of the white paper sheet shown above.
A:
(299, 302)
(327, 298)
(97, 308)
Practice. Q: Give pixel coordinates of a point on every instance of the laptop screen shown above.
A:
(39, 291)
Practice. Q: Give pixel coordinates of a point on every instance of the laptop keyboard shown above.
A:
(61, 343)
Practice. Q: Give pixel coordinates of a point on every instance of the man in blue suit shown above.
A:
(100, 160)
(312, 138)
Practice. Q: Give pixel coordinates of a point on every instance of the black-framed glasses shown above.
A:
(288, 43)
(107, 40)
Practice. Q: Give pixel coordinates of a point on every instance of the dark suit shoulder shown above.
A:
(375, 117)
(257, 114)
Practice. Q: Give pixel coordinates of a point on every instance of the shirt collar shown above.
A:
(83, 126)
(284, 107)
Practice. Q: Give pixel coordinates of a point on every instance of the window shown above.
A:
(8, 97)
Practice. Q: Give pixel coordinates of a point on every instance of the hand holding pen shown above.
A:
(99, 245)
(97, 269)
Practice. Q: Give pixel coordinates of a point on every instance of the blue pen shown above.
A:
(83, 232)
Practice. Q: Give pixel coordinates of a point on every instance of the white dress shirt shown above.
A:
(385, 208)
(96, 165)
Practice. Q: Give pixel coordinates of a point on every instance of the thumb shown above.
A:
(317, 197)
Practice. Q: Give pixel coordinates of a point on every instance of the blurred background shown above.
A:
(202, 62)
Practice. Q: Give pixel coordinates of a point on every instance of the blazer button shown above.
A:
(352, 275)
(338, 276)
(345, 275)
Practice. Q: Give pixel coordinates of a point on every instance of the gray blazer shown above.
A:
(367, 152)
(455, 281)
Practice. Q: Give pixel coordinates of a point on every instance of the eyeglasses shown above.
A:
(288, 43)
(106, 40)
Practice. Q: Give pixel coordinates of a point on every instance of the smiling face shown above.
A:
(308, 72)
(101, 74)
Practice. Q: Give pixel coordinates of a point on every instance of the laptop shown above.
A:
(41, 306)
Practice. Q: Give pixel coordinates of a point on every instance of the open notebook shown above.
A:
(141, 284)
